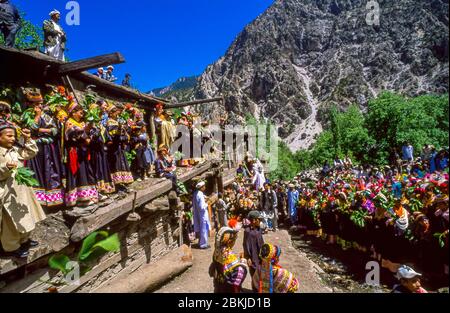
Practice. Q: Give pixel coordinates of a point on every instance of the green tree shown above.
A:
(288, 167)
(355, 140)
(29, 36)
(393, 119)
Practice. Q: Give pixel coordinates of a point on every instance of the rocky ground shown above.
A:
(345, 271)
(320, 268)
(197, 280)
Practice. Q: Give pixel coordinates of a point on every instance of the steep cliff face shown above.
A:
(301, 56)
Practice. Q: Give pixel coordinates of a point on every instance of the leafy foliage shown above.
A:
(182, 188)
(29, 36)
(59, 262)
(441, 238)
(125, 116)
(87, 101)
(27, 118)
(56, 100)
(372, 138)
(130, 156)
(93, 115)
(359, 218)
(25, 176)
(178, 155)
(287, 166)
(93, 247)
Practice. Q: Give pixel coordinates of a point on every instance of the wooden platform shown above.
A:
(55, 236)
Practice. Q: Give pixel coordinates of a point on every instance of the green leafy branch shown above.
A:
(359, 218)
(53, 101)
(94, 246)
(130, 156)
(93, 116)
(441, 238)
(25, 176)
(27, 118)
(178, 156)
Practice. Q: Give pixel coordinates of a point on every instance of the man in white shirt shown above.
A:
(54, 37)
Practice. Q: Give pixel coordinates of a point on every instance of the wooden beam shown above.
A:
(103, 216)
(196, 102)
(113, 88)
(36, 66)
(90, 63)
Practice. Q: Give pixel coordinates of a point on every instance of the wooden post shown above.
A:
(67, 80)
(180, 225)
(153, 129)
(219, 177)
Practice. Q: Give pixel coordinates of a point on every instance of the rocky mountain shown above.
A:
(301, 56)
(182, 88)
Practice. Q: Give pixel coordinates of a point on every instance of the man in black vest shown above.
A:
(9, 22)
(269, 204)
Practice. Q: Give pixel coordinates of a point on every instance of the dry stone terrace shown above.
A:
(145, 241)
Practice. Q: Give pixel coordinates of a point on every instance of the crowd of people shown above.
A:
(80, 154)
(395, 214)
(260, 260)
(232, 211)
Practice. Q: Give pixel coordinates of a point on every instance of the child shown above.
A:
(5, 111)
(18, 214)
(144, 155)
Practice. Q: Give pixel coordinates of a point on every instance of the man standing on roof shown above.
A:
(54, 36)
(9, 22)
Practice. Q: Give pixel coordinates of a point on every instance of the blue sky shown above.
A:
(161, 40)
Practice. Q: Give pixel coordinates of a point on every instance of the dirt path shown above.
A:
(197, 280)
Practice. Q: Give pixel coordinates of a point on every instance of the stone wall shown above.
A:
(143, 242)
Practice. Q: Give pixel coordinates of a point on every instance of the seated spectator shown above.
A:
(101, 73)
(165, 166)
(242, 171)
(109, 76)
(5, 111)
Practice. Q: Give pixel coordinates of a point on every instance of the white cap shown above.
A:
(200, 185)
(54, 12)
(406, 272)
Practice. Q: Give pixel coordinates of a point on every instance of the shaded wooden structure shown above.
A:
(36, 68)
(157, 233)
